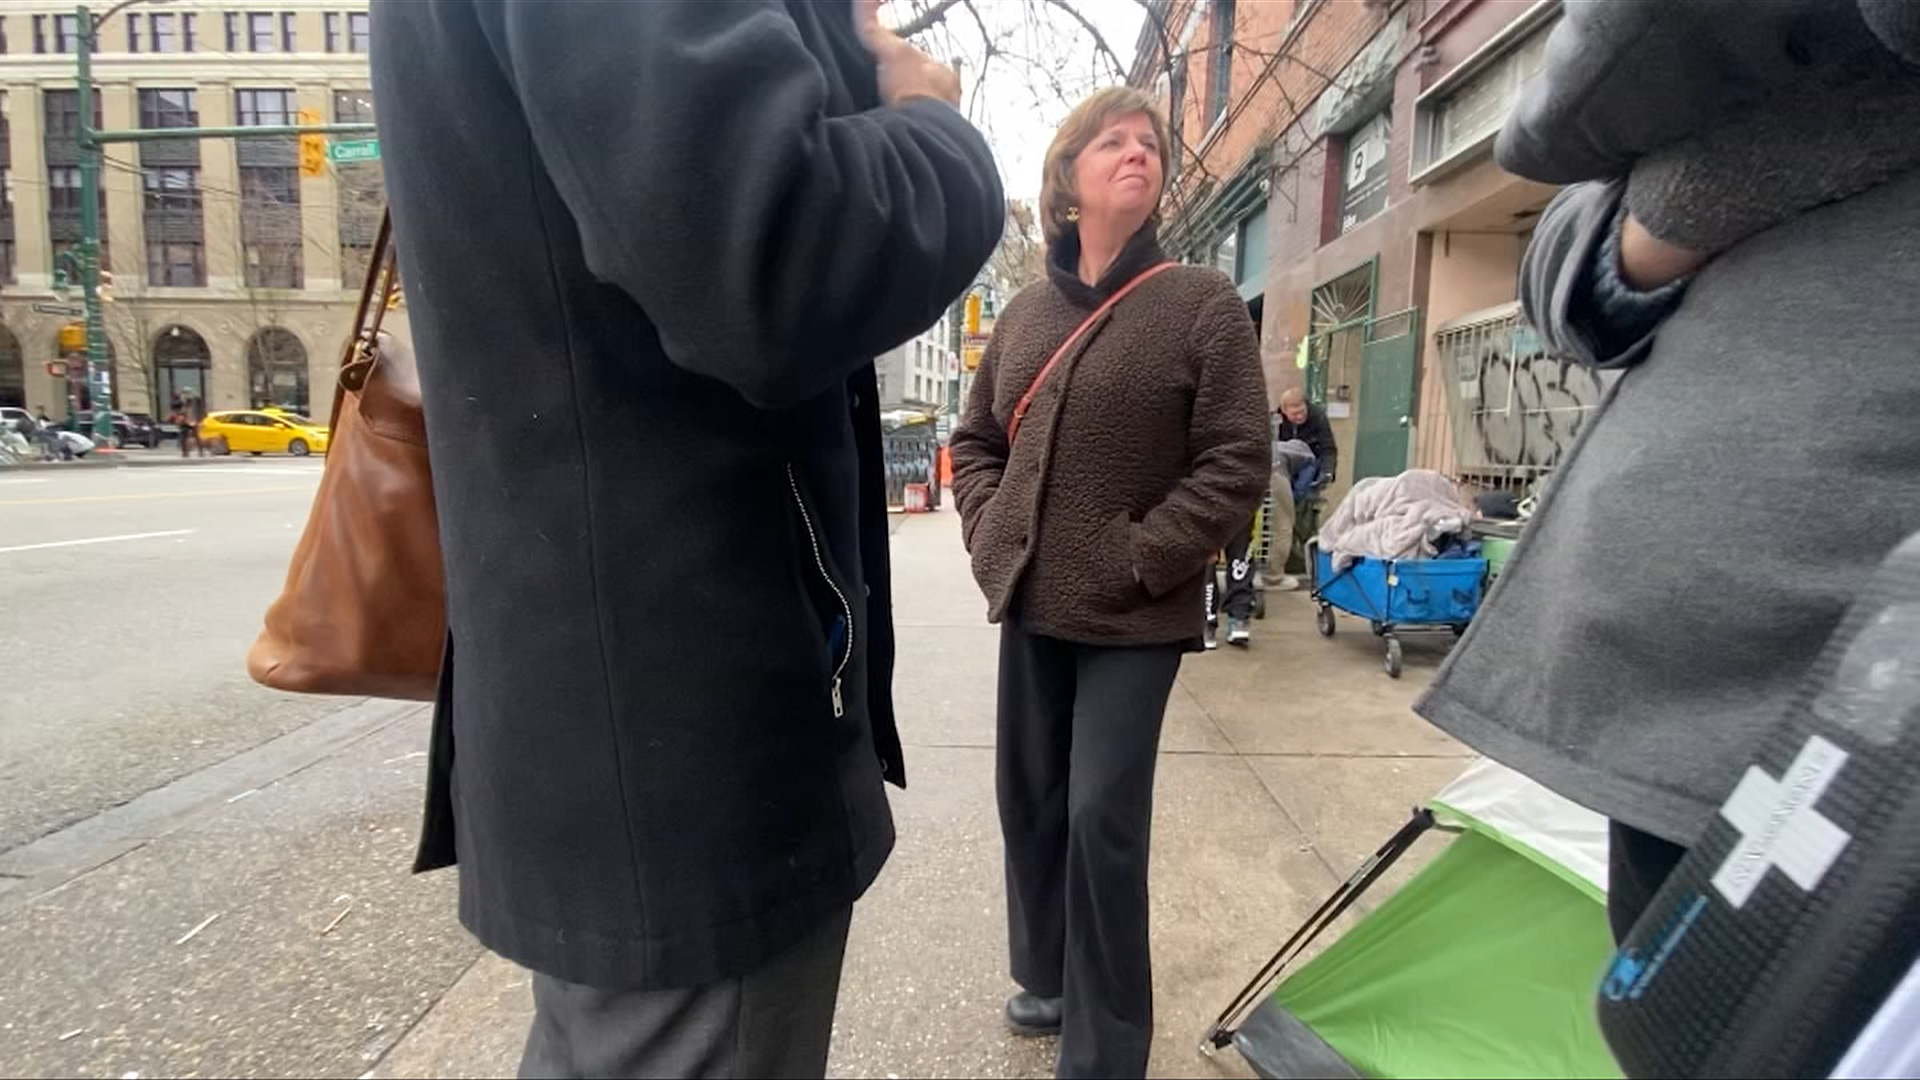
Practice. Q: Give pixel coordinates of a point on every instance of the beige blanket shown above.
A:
(1393, 517)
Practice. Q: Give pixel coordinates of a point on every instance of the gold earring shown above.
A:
(1073, 213)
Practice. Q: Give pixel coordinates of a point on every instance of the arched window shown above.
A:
(182, 360)
(277, 370)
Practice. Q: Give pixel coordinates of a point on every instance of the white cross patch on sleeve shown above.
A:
(1779, 825)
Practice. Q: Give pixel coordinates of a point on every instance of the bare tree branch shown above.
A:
(1099, 39)
(936, 13)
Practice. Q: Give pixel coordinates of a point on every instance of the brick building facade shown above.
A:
(1336, 162)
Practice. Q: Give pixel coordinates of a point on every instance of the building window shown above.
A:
(287, 33)
(362, 191)
(133, 33)
(63, 115)
(233, 31)
(270, 227)
(169, 109)
(164, 39)
(63, 215)
(259, 31)
(1226, 257)
(189, 27)
(6, 227)
(1468, 115)
(1363, 171)
(63, 189)
(173, 221)
(332, 23)
(277, 370)
(176, 249)
(1221, 46)
(357, 36)
(265, 108)
(3, 35)
(6, 195)
(270, 234)
(61, 125)
(66, 33)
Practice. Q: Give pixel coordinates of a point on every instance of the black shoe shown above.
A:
(1033, 1015)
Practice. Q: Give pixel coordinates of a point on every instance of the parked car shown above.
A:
(127, 430)
(147, 428)
(257, 432)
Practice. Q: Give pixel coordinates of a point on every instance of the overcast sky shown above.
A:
(1047, 63)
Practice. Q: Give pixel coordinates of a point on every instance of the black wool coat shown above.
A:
(650, 250)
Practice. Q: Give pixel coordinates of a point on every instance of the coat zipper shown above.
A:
(820, 561)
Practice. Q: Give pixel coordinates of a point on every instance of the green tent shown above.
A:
(1485, 964)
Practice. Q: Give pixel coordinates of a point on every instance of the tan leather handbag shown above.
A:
(364, 608)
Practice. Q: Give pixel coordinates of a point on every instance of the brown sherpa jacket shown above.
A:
(1144, 451)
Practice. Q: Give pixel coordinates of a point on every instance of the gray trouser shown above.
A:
(773, 1022)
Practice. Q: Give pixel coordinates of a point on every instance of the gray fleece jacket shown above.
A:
(1761, 454)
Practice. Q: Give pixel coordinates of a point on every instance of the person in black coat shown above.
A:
(651, 250)
(1298, 419)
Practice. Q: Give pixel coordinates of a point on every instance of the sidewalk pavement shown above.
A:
(1281, 769)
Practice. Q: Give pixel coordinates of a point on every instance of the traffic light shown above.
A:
(973, 313)
(313, 148)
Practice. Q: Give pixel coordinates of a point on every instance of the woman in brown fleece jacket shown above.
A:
(1144, 449)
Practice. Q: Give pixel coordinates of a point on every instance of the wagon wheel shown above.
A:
(1393, 657)
(1324, 620)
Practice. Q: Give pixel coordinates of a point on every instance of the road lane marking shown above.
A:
(152, 495)
(95, 540)
(220, 472)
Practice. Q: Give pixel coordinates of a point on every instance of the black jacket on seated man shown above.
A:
(645, 309)
(1315, 432)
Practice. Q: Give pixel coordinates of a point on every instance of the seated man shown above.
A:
(1303, 422)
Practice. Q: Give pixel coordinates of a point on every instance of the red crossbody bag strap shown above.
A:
(1026, 399)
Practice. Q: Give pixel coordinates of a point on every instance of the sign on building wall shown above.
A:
(1363, 182)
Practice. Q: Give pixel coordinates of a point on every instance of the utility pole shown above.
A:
(99, 372)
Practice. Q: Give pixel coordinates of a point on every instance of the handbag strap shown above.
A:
(379, 278)
(1033, 391)
(376, 270)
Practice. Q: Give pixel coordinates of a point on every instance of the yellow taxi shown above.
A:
(263, 431)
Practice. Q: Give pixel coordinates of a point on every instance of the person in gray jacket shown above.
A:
(1742, 237)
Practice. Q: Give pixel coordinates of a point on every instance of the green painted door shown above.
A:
(1386, 405)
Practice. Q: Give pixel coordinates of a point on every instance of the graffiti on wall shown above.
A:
(1516, 409)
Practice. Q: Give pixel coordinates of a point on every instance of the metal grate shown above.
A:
(1512, 410)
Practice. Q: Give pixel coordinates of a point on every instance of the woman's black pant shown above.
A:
(1079, 730)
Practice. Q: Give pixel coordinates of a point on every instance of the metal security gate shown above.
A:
(1389, 348)
(1513, 410)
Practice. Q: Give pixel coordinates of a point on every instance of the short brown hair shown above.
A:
(1088, 120)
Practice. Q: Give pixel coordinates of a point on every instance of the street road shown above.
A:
(128, 598)
(198, 876)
